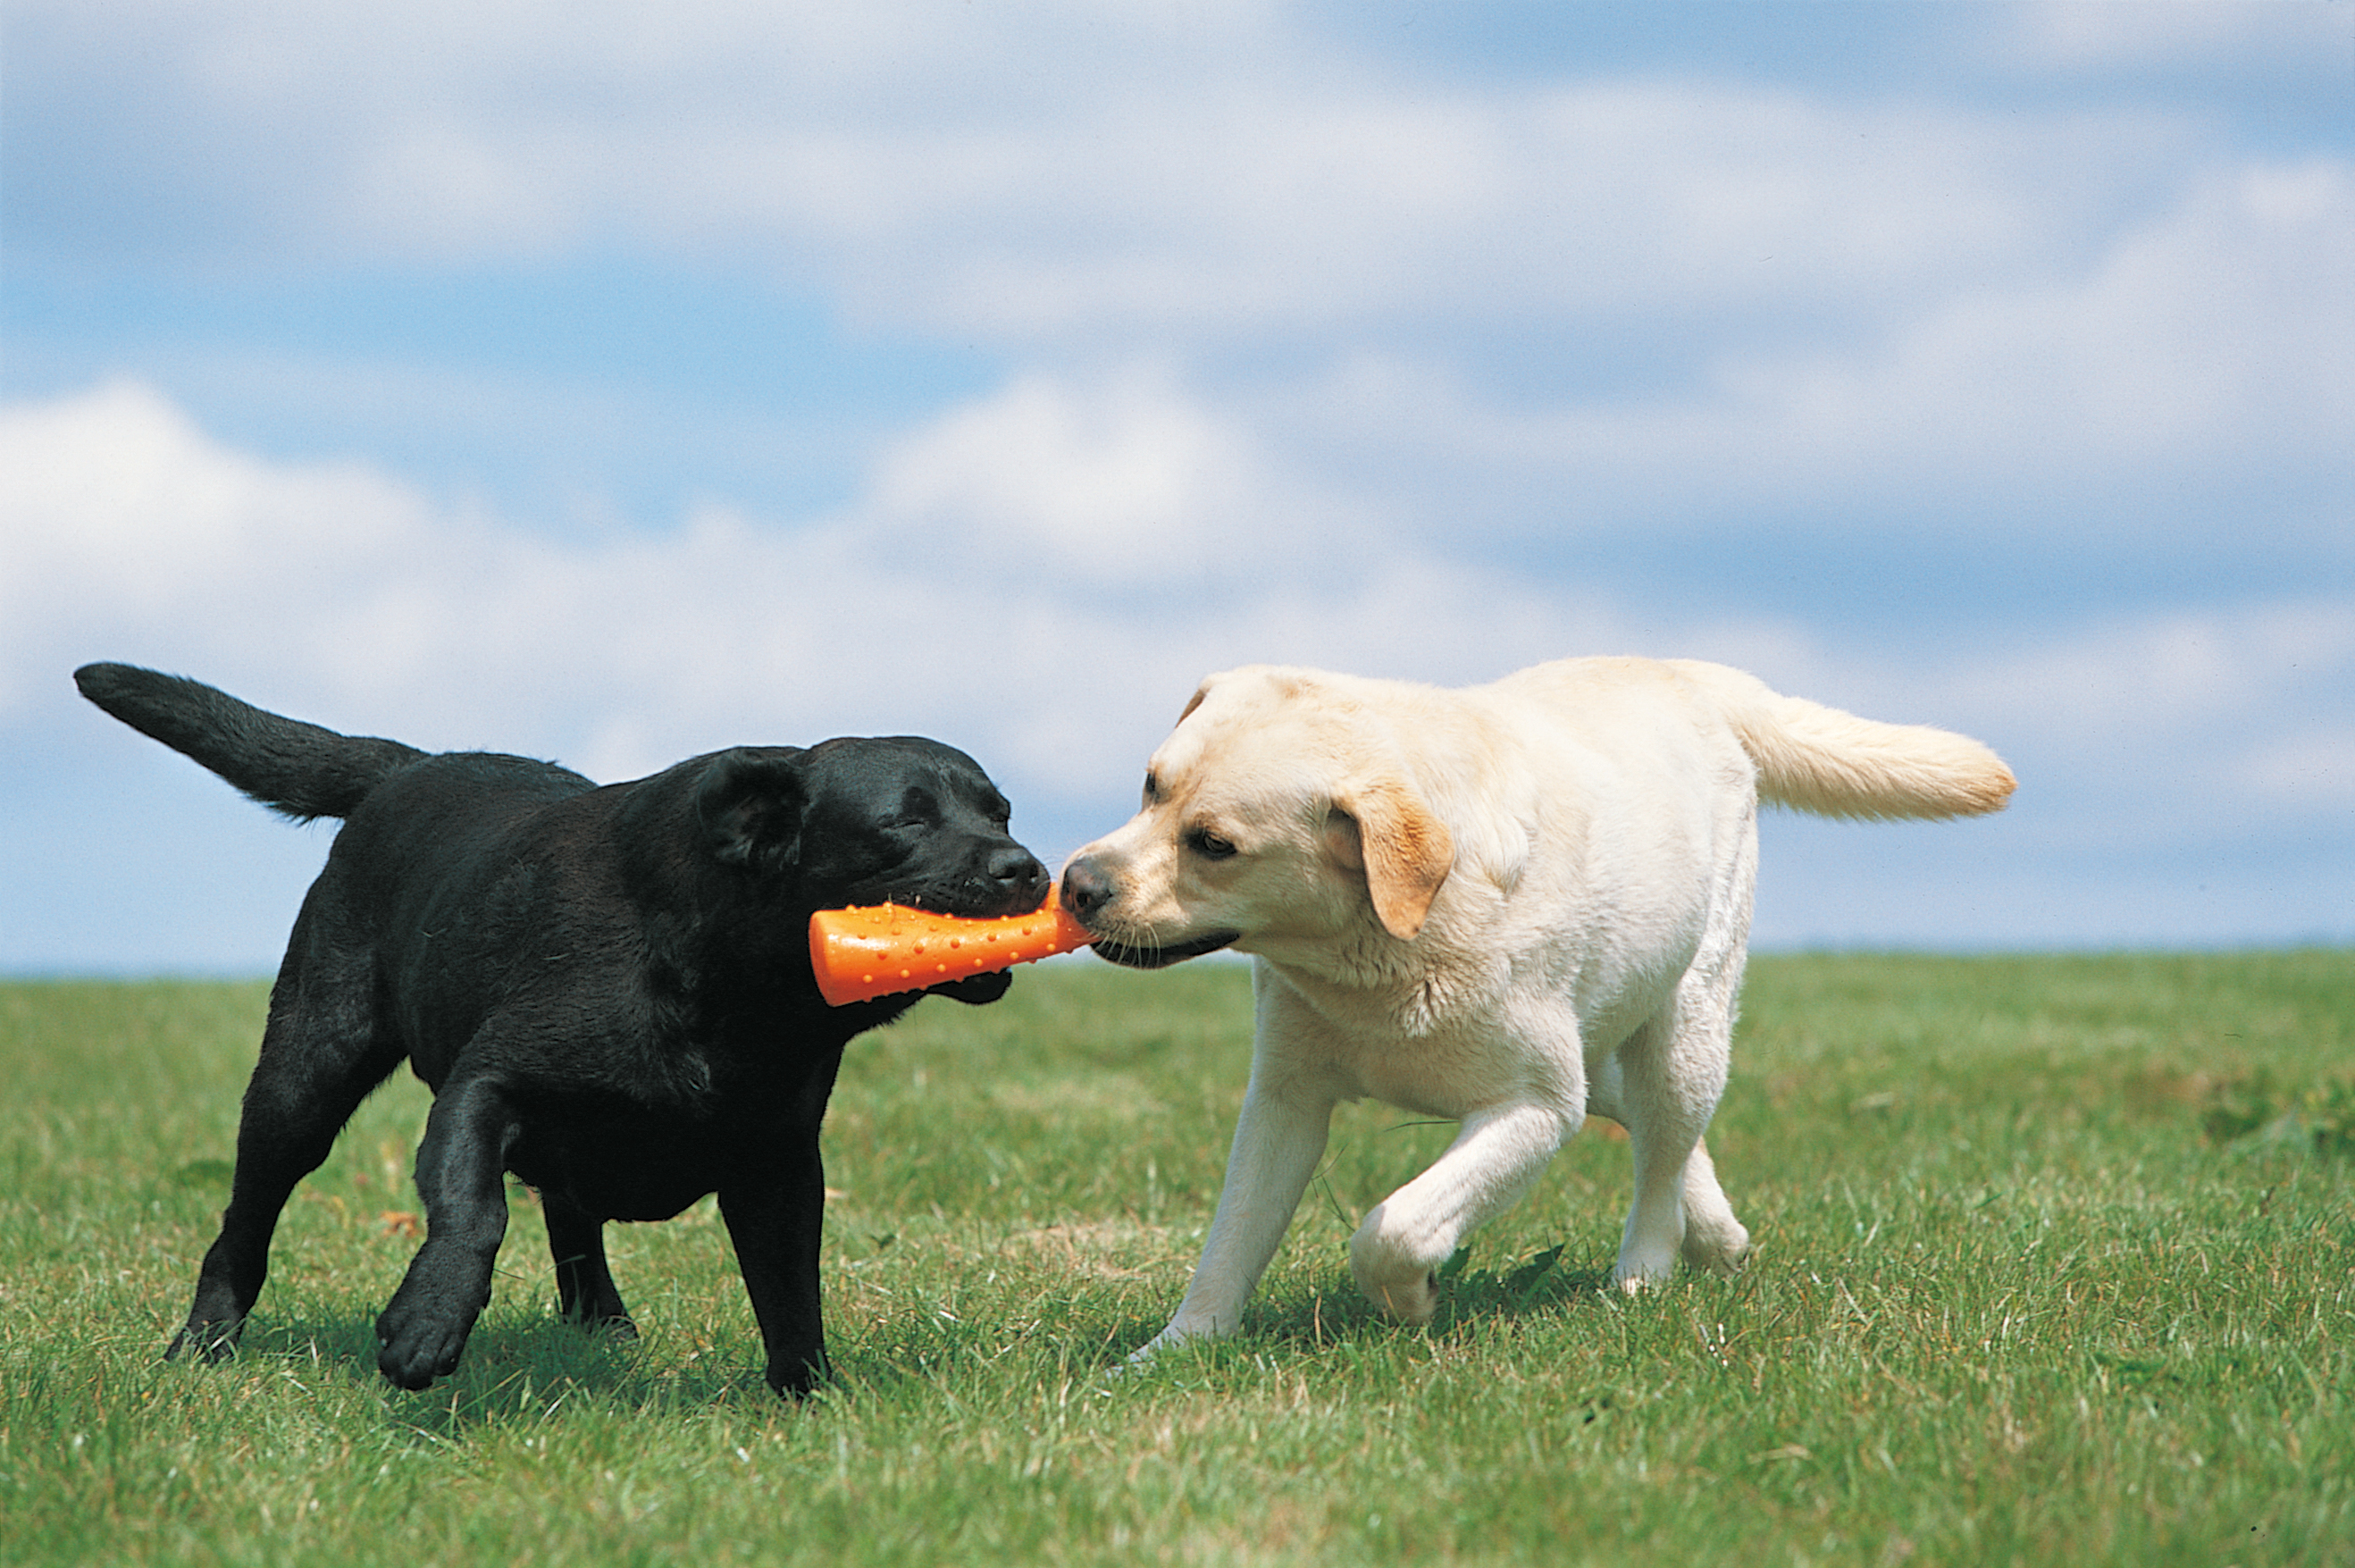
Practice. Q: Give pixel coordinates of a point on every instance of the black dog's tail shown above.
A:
(297, 769)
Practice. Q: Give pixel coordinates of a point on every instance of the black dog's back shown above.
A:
(299, 770)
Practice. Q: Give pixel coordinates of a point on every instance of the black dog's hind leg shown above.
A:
(461, 1177)
(585, 1291)
(319, 1059)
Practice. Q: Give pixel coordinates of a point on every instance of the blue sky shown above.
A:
(612, 383)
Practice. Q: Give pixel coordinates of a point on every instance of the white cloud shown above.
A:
(2176, 732)
(1040, 173)
(965, 597)
(504, 127)
(2311, 767)
(1818, 305)
(2212, 343)
(1316, 356)
(1302, 209)
(1125, 481)
(971, 595)
(2154, 679)
(121, 511)
(2288, 36)
(145, 538)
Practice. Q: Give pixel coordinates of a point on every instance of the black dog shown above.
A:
(608, 991)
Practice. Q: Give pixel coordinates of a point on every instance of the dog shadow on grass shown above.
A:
(523, 1364)
(1471, 1298)
(1321, 1316)
(519, 1365)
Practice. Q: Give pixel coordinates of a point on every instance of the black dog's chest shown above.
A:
(647, 1146)
(639, 1189)
(638, 1165)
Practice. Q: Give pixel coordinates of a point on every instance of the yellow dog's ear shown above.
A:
(1405, 852)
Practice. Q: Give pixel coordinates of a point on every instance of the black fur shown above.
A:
(607, 990)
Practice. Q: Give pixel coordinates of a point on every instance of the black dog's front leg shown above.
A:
(460, 1171)
(776, 1217)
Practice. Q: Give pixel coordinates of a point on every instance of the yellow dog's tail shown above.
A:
(1820, 760)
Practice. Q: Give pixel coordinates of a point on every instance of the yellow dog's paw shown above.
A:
(1394, 1273)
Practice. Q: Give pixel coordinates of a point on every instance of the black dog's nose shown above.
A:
(1019, 872)
(1086, 890)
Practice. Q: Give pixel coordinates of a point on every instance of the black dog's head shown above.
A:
(899, 820)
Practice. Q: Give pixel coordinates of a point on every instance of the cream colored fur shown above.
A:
(1507, 905)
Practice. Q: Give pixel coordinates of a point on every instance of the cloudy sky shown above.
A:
(613, 382)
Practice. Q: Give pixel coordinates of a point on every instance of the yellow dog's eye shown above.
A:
(1209, 845)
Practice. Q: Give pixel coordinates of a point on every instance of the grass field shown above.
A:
(2055, 1266)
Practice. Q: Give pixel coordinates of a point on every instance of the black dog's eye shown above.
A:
(1209, 845)
(919, 812)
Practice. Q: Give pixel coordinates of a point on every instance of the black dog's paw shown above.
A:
(415, 1346)
(209, 1342)
(975, 989)
(612, 1325)
(796, 1378)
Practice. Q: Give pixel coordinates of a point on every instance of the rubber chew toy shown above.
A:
(861, 954)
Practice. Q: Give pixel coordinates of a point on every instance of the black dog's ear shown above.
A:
(751, 805)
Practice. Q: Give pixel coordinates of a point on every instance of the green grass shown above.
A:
(2056, 1265)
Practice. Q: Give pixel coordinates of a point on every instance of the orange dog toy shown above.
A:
(861, 954)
